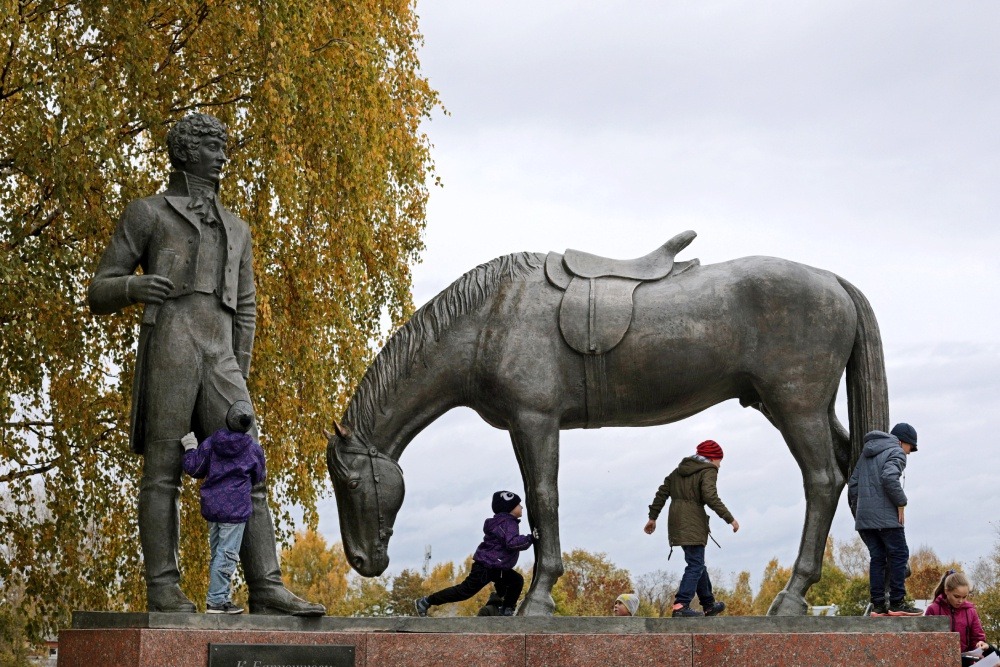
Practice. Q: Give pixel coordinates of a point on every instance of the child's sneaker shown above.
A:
(904, 609)
(685, 611)
(421, 605)
(226, 607)
(716, 609)
(879, 609)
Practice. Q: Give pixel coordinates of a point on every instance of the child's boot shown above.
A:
(685, 611)
(226, 607)
(421, 605)
(902, 608)
(715, 608)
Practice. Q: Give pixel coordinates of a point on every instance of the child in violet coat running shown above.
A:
(494, 560)
(231, 463)
(951, 599)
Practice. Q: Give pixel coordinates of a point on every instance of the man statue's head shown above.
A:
(197, 144)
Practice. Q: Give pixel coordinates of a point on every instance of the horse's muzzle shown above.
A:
(370, 567)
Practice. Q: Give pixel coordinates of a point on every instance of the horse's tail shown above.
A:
(867, 389)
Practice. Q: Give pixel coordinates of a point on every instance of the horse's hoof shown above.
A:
(540, 606)
(787, 604)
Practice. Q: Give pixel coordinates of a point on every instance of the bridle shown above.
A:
(372, 453)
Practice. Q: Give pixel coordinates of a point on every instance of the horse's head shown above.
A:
(369, 490)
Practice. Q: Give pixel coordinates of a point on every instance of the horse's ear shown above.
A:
(327, 434)
(343, 431)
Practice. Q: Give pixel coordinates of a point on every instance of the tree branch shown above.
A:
(217, 103)
(217, 78)
(330, 42)
(177, 46)
(173, 49)
(21, 474)
(38, 469)
(25, 424)
(37, 230)
(4, 93)
(30, 423)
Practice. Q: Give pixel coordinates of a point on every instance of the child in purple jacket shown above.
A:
(494, 560)
(231, 463)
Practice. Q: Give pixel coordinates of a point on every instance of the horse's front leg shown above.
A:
(536, 445)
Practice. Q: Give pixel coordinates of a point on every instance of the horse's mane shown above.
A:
(406, 346)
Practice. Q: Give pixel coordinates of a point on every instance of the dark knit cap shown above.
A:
(905, 433)
(505, 501)
(239, 419)
(710, 449)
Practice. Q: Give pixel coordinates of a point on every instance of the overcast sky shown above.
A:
(857, 137)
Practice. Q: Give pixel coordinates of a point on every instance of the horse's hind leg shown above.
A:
(536, 445)
(810, 439)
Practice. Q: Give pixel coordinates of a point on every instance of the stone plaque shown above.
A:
(279, 655)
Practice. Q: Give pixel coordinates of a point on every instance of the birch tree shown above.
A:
(329, 166)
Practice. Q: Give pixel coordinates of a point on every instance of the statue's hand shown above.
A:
(148, 289)
(534, 533)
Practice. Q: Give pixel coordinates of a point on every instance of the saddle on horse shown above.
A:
(596, 309)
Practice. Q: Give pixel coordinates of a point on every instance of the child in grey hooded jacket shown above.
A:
(877, 500)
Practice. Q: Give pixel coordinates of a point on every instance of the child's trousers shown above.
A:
(224, 540)
(508, 582)
(695, 580)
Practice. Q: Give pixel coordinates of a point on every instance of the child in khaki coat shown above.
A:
(692, 486)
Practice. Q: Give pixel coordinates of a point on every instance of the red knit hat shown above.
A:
(710, 450)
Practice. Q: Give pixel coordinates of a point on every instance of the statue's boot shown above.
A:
(168, 598)
(159, 531)
(259, 555)
(282, 602)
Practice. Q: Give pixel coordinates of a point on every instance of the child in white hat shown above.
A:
(626, 604)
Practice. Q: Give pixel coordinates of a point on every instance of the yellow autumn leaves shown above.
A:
(328, 166)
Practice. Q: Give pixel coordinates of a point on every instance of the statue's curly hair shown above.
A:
(184, 138)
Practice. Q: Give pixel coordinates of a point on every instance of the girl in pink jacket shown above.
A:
(951, 599)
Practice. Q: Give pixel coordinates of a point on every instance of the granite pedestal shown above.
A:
(182, 640)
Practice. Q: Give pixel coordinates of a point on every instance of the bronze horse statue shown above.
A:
(537, 343)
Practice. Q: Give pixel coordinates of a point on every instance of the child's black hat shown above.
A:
(505, 501)
(905, 433)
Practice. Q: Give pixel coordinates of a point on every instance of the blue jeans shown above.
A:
(695, 579)
(889, 554)
(224, 539)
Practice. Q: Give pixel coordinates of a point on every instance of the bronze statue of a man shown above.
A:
(193, 357)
